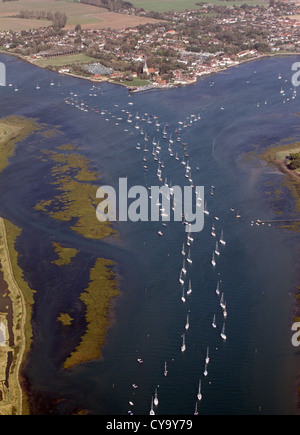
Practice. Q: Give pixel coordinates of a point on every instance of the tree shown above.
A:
(295, 161)
(59, 20)
(78, 28)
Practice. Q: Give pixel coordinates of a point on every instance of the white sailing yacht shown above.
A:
(196, 409)
(187, 325)
(199, 395)
(205, 370)
(181, 280)
(182, 296)
(218, 288)
(223, 335)
(151, 410)
(190, 288)
(222, 304)
(183, 346)
(213, 261)
(182, 250)
(189, 237)
(155, 398)
(222, 241)
(225, 311)
(217, 249)
(207, 356)
(214, 322)
(189, 260)
(165, 370)
(205, 209)
(183, 267)
(213, 231)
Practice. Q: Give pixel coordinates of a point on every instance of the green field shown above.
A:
(182, 5)
(77, 13)
(165, 5)
(89, 17)
(135, 82)
(65, 60)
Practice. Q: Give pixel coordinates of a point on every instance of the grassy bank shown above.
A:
(97, 298)
(75, 198)
(22, 299)
(277, 156)
(13, 129)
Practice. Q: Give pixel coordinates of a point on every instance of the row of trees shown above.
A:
(59, 19)
(111, 5)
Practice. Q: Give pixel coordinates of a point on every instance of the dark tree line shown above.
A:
(59, 19)
(111, 5)
(294, 161)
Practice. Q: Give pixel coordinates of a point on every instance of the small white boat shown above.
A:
(155, 398)
(207, 356)
(213, 261)
(187, 325)
(205, 370)
(182, 250)
(190, 288)
(165, 370)
(199, 395)
(196, 409)
(222, 304)
(181, 280)
(222, 241)
(183, 346)
(151, 410)
(214, 322)
(223, 335)
(189, 260)
(217, 249)
(225, 311)
(218, 288)
(213, 231)
(205, 209)
(183, 267)
(182, 296)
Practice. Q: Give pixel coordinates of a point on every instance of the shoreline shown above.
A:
(151, 86)
(293, 184)
(19, 312)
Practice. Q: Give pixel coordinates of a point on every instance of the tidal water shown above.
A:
(221, 118)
